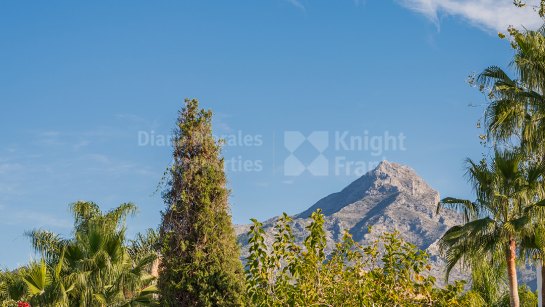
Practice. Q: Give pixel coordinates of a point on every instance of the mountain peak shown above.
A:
(387, 166)
(401, 177)
(391, 197)
(393, 169)
(387, 178)
(386, 163)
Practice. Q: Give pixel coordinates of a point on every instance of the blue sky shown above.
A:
(86, 86)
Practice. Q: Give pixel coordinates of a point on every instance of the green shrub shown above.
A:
(388, 272)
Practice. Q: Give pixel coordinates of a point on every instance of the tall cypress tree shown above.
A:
(200, 263)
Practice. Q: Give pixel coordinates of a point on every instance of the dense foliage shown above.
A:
(95, 267)
(506, 221)
(389, 272)
(199, 262)
(200, 257)
(500, 219)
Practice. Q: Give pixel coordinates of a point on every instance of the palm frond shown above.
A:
(469, 209)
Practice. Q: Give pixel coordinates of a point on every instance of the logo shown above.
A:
(293, 166)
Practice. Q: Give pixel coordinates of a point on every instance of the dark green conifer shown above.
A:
(200, 257)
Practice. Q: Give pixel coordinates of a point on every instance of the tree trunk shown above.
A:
(155, 267)
(512, 273)
(542, 292)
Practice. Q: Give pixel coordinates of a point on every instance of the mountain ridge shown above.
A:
(391, 197)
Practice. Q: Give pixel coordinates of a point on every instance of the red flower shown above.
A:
(23, 304)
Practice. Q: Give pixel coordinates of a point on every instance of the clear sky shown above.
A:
(89, 90)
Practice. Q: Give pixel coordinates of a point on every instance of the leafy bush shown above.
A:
(387, 272)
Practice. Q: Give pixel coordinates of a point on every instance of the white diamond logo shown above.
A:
(319, 139)
(293, 166)
(292, 140)
(319, 167)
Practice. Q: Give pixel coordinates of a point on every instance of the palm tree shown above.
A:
(498, 220)
(102, 268)
(489, 282)
(46, 284)
(516, 113)
(12, 286)
(517, 104)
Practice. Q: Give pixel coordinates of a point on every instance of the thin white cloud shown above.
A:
(49, 138)
(108, 166)
(360, 2)
(81, 144)
(221, 122)
(494, 15)
(138, 120)
(37, 219)
(9, 189)
(98, 158)
(6, 168)
(297, 4)
(50, 133)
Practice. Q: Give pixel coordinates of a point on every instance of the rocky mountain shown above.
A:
(390, 197)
